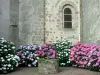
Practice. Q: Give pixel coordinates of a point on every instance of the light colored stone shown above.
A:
(91, 21)
(54, 20)
(48, 66)
(33, 16)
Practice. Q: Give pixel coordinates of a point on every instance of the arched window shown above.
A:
(67, 18)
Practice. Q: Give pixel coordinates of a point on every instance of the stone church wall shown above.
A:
(9, 17)
(4, 18)
(31, 21)
(26, 20)
(53, 20)
(91, 21)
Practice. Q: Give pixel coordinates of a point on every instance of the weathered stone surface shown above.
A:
(32, 16)
(4, 18)
(54, 20)
(48, 66)
(91, 21)
(31, 21)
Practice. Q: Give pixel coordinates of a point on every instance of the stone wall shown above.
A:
(14, 20)
(31, 21)
(24, 20)
(4, 18)
(91, 21)
(9, 17)
(54, 23)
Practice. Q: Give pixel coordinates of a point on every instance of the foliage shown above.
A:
(8, 60)
(27, 55)
(46, 51)
(86, 56)
(63, 47)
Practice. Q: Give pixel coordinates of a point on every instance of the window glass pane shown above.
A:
(67, 11)
(67, 17)
(67, 24)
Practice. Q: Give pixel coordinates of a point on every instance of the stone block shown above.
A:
(48, 66)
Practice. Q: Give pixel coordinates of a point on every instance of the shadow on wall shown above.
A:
(14, 34)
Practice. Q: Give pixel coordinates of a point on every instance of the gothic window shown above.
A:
(67, 17)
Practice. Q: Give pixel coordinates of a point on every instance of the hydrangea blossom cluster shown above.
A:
(86, 56)
(79, 55)
(46, 51)
(63, 47)
(94, 60)
(27, 55)
(9, 63)
(8, 60)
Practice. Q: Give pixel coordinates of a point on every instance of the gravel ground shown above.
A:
(63, 71)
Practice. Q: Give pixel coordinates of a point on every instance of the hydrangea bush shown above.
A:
(94, 60)
(8, 60)
(63, 47)
(86, 56)
(46, 51)
(27, 55)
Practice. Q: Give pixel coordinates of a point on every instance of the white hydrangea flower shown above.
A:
(9, 49)
(37, 57)
(17, 57)
(13, 47)
(4, 68)
(27, 51)
(9, 65)
(6, 56)
(11, 55)
(63, 63)
(12, 68)
(1, 57)
(7, 68)
(8, 59)
(29, 65)
(23, 61)
(68, 49)
(5, 45)
(5, 49)
(11, 42)
(16, 64)
(2, 40)
(69, 59)
(2, 47)
(13, 59)
(66, 54)
(3, 60)
(4, 65)
(32, 59)
(23, 56)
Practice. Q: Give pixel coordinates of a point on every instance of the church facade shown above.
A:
(39, 21)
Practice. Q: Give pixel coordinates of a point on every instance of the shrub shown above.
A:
(27, 55)
(86, 56)
(63, 49)
(8, 60)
